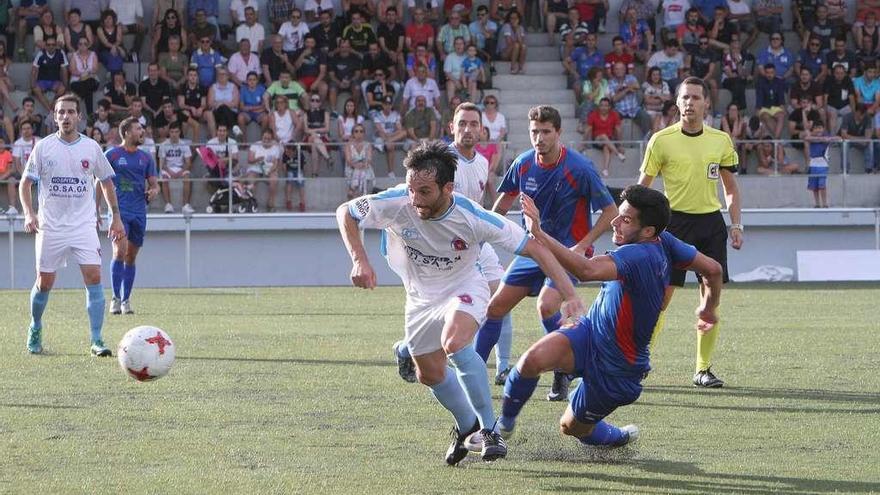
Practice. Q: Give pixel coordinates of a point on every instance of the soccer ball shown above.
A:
(146, 353)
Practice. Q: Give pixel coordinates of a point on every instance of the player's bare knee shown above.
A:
(530, 365)
(429, 377)
(570, 426)
(453, 342)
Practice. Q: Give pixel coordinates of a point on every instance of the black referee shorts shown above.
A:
(707, 232)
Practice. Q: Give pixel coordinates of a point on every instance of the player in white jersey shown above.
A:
(471, 176)
(433, 243)
(66, 165)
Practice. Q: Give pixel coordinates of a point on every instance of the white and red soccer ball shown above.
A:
(146, 353)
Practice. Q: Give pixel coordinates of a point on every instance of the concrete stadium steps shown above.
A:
(528, 82)
(521, 111)
(541, 53)
(553, 67)
(534, 97)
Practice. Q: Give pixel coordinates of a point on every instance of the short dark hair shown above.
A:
(695, 81)
(433, 156)
(652, 205)
(546, 113)
(468, 107)
(175, 125)
(126, 124)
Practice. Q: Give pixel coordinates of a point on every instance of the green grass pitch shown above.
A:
(293, 390)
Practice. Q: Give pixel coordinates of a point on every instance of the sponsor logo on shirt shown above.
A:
(459, 244)
(713, 170)
(410, 234)
(85, 164)
(362, 206)
(440, 262)
(466, 299)
(531, 184)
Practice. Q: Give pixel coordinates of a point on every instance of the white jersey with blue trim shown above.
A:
(433, 257)
(471, 175)
(66, 173)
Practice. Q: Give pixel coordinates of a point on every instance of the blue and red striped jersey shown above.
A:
(625, 312)
(565, 192)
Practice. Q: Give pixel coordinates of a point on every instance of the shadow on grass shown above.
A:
(39, 406)
(775, 393)
(318, 362)
(689, 478)
(768, 409)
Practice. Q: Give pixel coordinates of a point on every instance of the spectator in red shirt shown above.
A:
(621, 54)
(603, 125)
(419, 32)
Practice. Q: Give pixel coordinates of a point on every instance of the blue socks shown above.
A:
(517, 392)
(95, 308)
(450, 394)
(38, 305)
(116, 276)
(603, 434)
(471, 370)
(487, 337)
(127, 281)
(552, 322)
(505, 341)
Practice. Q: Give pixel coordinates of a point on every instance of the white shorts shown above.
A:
(425, 319)
(54, 247)
(489, 264)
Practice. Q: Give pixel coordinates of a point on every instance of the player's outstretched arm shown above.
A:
(710, 293)
(25, 194)
(572, 306)
(732, 197)
(362, 274)
(597, 268)
(116, 231)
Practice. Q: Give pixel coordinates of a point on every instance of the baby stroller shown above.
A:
(242, 199)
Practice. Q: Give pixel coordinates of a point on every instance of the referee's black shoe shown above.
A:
(706, 379)
(559, 389)
(457, 450)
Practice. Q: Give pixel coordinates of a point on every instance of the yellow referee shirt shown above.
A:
(690, 166)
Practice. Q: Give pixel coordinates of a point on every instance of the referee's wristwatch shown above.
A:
(737, 226)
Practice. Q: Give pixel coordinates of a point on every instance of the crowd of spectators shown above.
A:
(328, 84)
(734, 45)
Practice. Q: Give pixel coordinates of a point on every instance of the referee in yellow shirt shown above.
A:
(692, 158)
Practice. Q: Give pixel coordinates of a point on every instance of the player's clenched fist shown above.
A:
(572, 309)
(363, 276)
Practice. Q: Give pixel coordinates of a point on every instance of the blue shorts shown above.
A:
(47, 85)
(135, 228)
(818, 178)
(600, 393)
(525, 272)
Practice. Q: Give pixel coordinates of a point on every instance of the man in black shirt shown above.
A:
(840, 96)
(703, 63)
(391, 39)
(311, 67)
(327, 34)
(166, 116)
(840, 55)
(377, 59)
(153, 90)
(345, 70)
(274, 60)
(49, 73)
(120, 94)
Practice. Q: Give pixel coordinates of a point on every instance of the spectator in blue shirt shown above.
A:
(770, 100)
(777, 55)
(206, 61)
(813, 59)
(581, 60)
(867, 87)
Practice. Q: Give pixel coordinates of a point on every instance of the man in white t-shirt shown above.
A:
(433, 238)
(175, 162)
(294, 31)
(251, 30)
(24, 145)
(66, 165)
(388, 125)
(237, 10)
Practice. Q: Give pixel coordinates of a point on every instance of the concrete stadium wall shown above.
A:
(305, 249)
